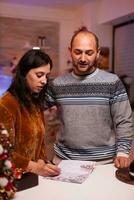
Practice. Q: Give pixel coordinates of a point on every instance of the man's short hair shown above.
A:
(84, 29)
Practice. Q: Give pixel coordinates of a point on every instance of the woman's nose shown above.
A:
(44, 80)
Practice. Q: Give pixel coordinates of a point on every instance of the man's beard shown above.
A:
(90, 67)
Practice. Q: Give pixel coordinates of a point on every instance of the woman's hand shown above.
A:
(43, 169)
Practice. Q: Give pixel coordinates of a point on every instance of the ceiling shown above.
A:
(61, 4)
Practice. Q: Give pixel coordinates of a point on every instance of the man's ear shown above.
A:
(69, 48)
(98, 52)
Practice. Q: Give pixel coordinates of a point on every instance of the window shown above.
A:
(123, 55)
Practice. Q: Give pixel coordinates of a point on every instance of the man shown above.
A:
(96, 113)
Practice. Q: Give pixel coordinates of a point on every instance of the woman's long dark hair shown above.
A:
(31, 59)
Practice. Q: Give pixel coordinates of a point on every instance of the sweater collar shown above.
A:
(81, 77)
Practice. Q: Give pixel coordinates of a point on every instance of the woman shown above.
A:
(21, 111)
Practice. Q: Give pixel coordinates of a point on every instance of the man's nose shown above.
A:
(83, 57)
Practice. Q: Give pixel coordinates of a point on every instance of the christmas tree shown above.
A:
(8, 172)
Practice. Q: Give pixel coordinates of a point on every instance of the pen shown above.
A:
(49, 162)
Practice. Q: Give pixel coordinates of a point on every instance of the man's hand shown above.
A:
(121, 162)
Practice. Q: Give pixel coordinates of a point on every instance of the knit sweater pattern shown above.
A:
(96, 115)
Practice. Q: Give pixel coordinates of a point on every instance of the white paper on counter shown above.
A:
(74, 171)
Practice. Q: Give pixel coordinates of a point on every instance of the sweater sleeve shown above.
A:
(42, 154)
(122, 118)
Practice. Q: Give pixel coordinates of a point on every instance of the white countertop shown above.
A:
(101, 185)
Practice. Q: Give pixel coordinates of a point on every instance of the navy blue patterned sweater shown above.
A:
(96, 115)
